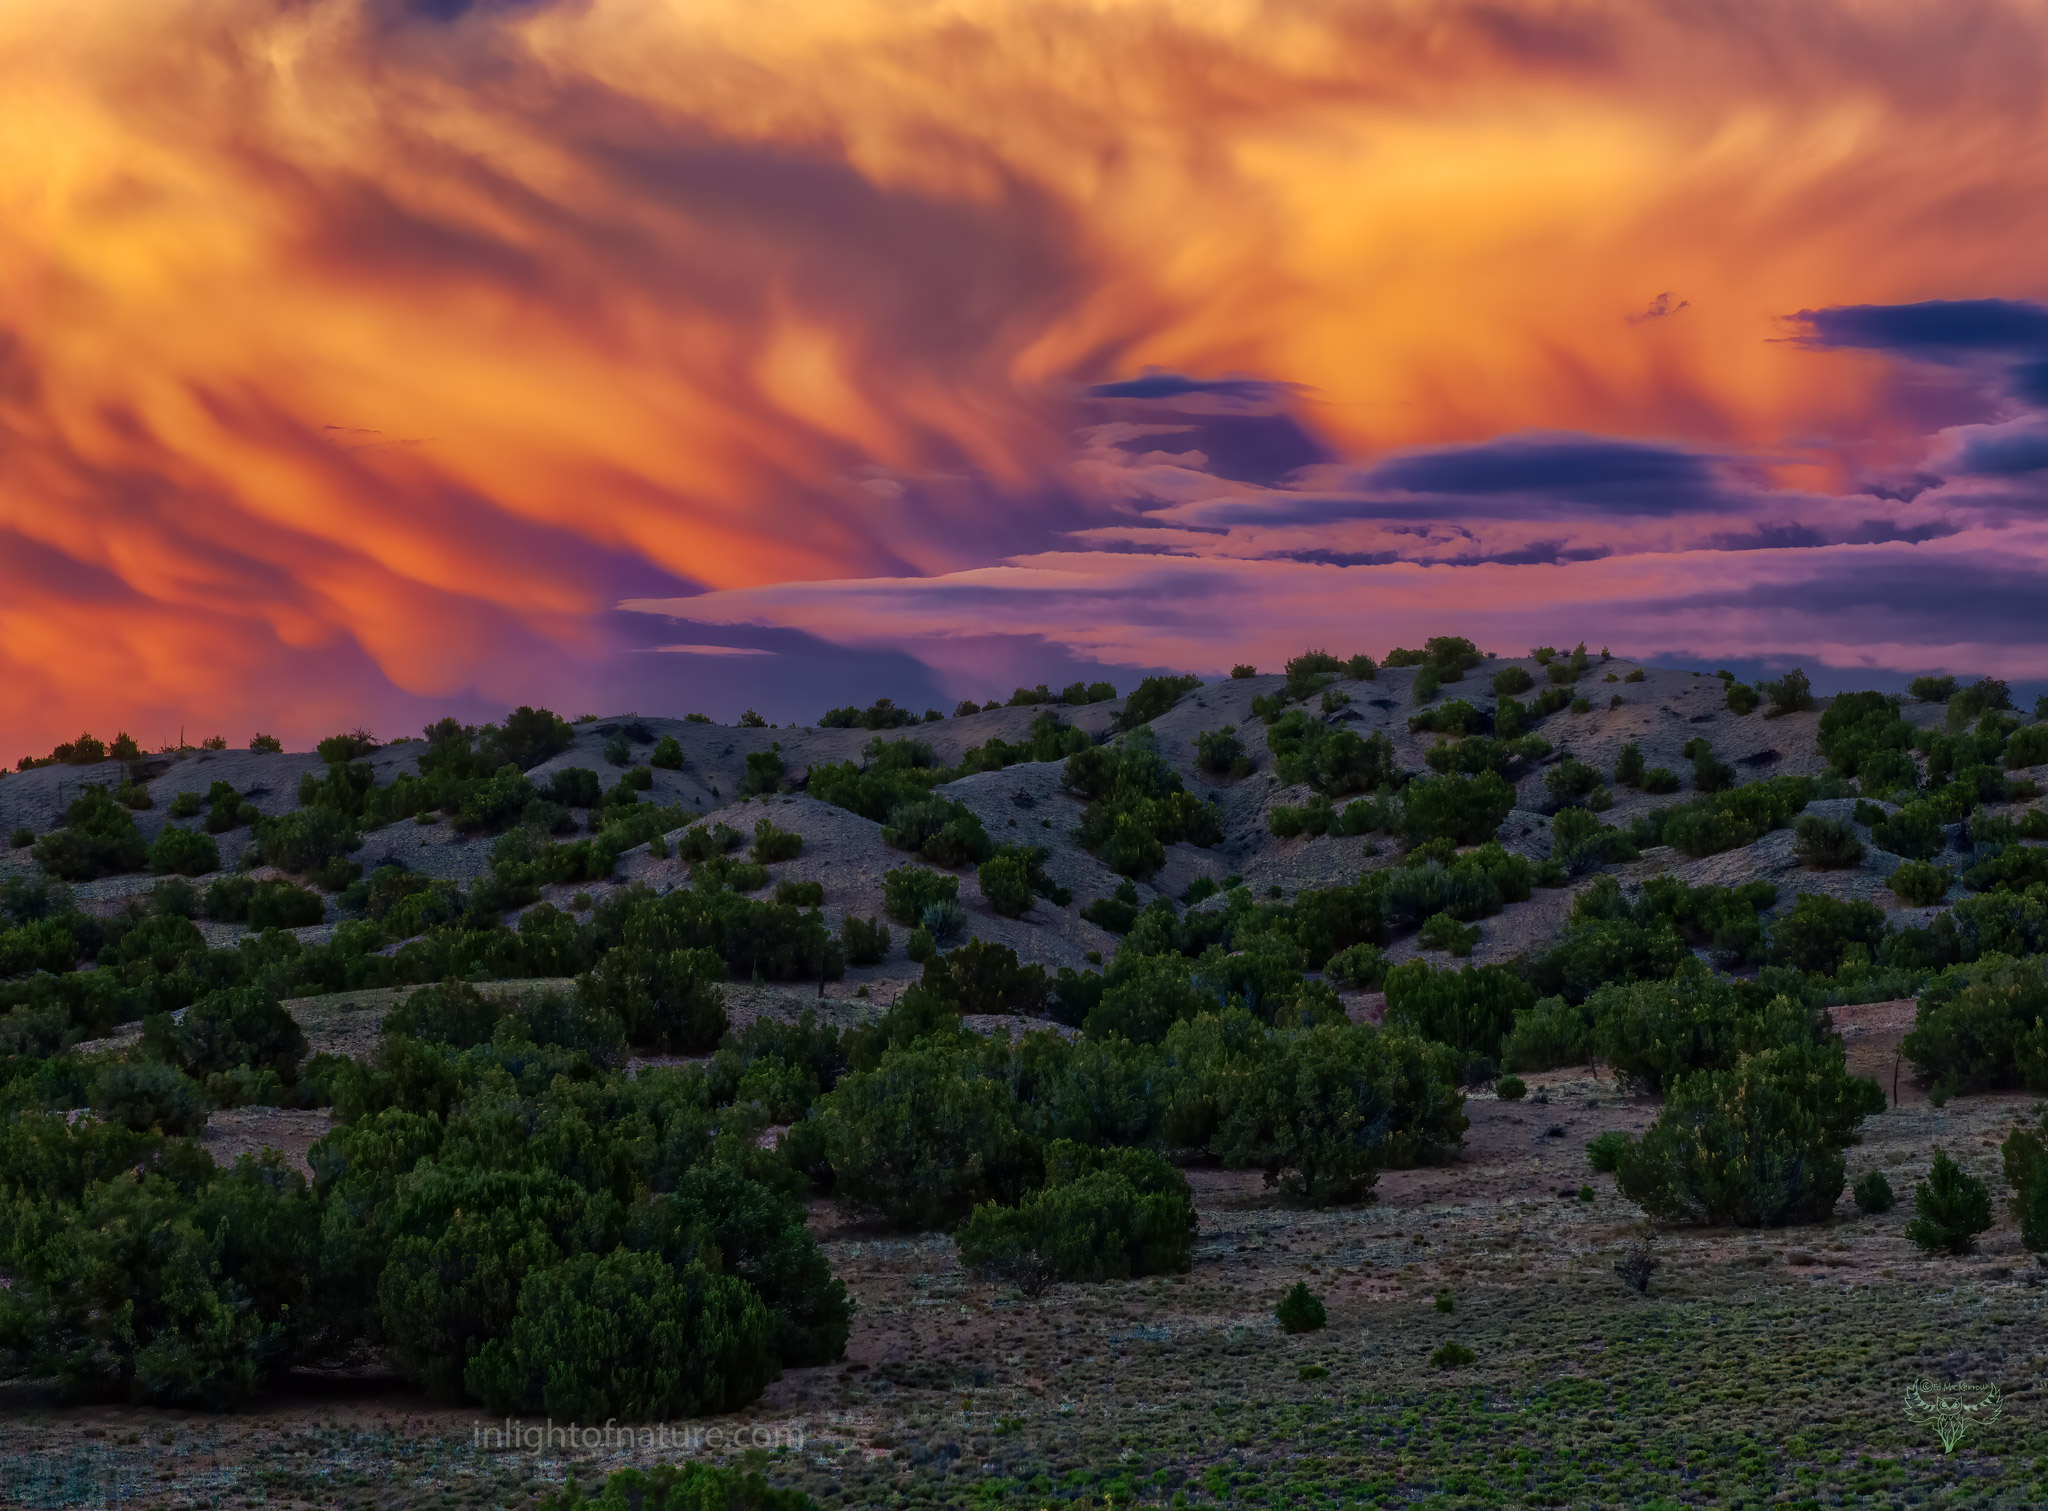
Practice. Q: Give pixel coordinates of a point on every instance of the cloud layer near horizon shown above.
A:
(358, 359)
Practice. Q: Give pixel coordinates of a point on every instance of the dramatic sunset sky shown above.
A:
(364, 360)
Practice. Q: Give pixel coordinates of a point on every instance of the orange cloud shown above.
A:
(346, 348)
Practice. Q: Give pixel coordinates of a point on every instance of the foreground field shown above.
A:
(1761, 1368)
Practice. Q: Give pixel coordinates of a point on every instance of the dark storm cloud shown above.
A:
(1560, 468)
(1943, 601)
(1246, 448)
(1934, 329)
(1165, 385)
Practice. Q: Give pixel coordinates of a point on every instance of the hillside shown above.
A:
(512, 1074)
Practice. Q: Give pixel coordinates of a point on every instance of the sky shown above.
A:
(367, 360)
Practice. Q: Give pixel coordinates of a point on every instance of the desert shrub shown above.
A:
(1915, 832)
(242, 1025)
(881, 714)
(921, 1141)
(1300, 1311)
(1117, 912)
(1755, 1145)
(1549, 1033)
(1136, 805)
(1606, 1152)
(1742, 698)
(908, 890)
(1932, 689)
(1440, 931)
(1006, 884)
(1153, 697)
(150, 1096)
(1820, 930)
(576, 787)
(669, 1000)
(1324, 1108)
(1512, 679)
(1579, 841)
(1570, 780)
(667, 754)
(343, 748)
(1102, 1214)
(21, 837)
(1464, 810)
(1659, 780)
(98, 838)
(184, 852)
(1453, 1356)
(1357, 965)
(1511, 1088)
(1873, 1194)
(280, 905)
(692, 1487)
(1143, 996)
(772, 844)
(133, 796)
(1427, 684)
(1826, 843)
(1628, 766)
(1983, 1027)
(617, 751)
(1950, 1208)
(1220, 753)
(1653, 1033)
(1243, 670)
(2026, 747)
(1920, 883)
(1789, 694)
(939, 830)
(1725, 820)
(532, 735)
(1333, 761)
(627, 1335)
(800, 894)
(920, 946)
(1471, 1009)
(304, 840)
(173, 1286)
(764, 772)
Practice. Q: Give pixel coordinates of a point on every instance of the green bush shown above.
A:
(1659, 780)
(1656, 1033)
(1357, 966)
(1511, 1088)
(576, 787)
(772, 844)
(1950, 1208)
(764, 772)
(1628, 766)
(1153, 697)
(1932, 689)
(627, 1335)
(1137, 805)
(1920, 883)
(1221, 753)
(183, 852)
(150, 1096)
(1300, 1311)
(865, 940)
(280, 905)
(939, 830)
(1512, 679)
(668, 754)
(692, 1487)
(908, 890)
(1333, 761)
(1983, 1027)
(921, 1142)
(1453, 1356)
(242, 1025)
(1873, 1194)
(669, 1000)
(1826, 843)
(1606, 1152)
(1464, 810)
(1324, 1108)
(1742, 698)
(98, 838)
(1472, 1009)
(1819, 932)
(1107, 1214)
(1756, 1145)
(1728, 819)
(1789, 694)
(1006, 885)
(1443, 932)
(304, 840)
